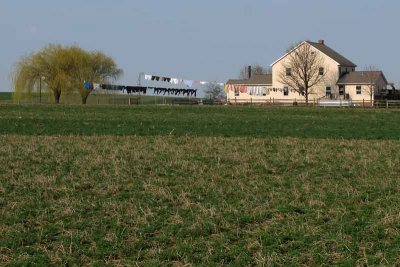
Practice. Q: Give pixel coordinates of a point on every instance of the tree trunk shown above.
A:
(84, 99)
(306, 95)
(57, 95)
(85, 96)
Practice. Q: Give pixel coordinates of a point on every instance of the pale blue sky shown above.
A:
(200, 40)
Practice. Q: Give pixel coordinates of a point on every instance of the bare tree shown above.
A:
(372, 74)
(214, 91)
(303, 70)
(255, 69)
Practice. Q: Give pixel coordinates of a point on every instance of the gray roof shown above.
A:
(333, 54)
(256, 79)
(360, 77)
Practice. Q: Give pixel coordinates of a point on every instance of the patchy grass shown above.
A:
(200, 121)
(198, 200)
(87, 191)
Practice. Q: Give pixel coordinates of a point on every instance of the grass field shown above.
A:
(201, 186)
(5, 96)
(95, 99)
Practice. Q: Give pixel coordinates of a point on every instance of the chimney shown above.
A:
(249, 72)
(321, 42)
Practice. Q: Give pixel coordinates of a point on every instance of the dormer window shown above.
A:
(288, 72)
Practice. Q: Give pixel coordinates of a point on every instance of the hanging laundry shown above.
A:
(96, 86)
(188, 83)
(148, 77)
(203, 83)
(136, 89)
(226, 88)
(87, 85)
(174, 80)
(236, 89)
(243, 89)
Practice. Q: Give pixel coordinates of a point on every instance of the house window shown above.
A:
(288, 72)
(285, 91)
(328, 91)
(321, 71)
(358, 89)
(341, 89)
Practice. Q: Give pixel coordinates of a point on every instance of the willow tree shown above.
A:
(62, 70)
(95, 67)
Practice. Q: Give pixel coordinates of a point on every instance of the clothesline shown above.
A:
(141, 89)
(254, 90)
(188, 83)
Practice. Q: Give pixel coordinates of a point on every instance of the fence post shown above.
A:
(251, 100)
(273, 100)
(235, 100)
(387, 103)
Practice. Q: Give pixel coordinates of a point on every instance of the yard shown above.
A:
(208, 186)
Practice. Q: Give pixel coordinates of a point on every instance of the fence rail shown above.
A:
(326, 103)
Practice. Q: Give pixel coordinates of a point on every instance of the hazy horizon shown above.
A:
(207, 40)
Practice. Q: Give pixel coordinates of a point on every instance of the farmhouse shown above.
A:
(339, 80)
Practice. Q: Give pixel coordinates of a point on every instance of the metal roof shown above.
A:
(257, 79)
(361, 77)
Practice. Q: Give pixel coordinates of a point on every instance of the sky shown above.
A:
(205, 40)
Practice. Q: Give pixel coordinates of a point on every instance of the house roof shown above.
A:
(361, 77)
(332, 54)
(256, 79)
(341, 60)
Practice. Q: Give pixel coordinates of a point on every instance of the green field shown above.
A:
(95, 99)
(5, 96)
(199, 186)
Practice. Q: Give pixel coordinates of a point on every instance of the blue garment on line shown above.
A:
(87, 85)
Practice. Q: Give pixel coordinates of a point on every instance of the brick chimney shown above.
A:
(321, 42)
(249, 72)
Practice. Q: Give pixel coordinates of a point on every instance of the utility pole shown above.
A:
(40, 90)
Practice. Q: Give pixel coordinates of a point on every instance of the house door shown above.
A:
(342, 91)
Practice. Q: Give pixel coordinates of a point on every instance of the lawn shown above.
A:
(201, 186)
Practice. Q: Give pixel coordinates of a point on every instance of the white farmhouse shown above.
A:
(341, 81)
